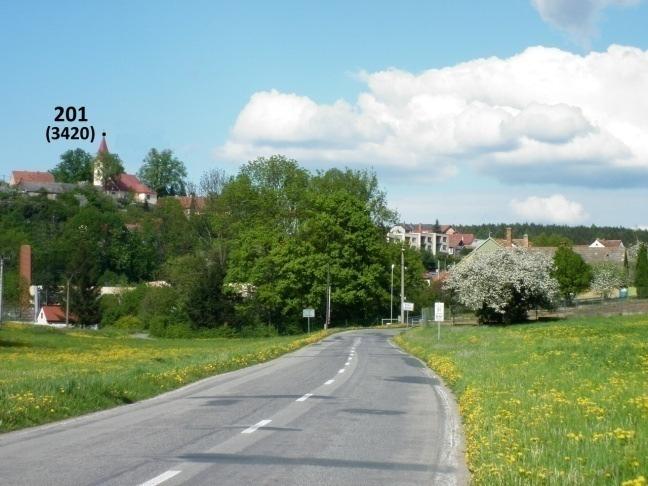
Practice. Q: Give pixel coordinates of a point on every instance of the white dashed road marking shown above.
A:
(329, 382)
(161, 478)
(304, 398)
(254, 428)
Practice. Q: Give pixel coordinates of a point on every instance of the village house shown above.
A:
(21, 176)
(192, 204)
(596, 252)
(34, 183)
(437, 239)
(53, 315)
(599, 243)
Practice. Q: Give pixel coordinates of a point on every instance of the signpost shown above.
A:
(308, 313)
(439, 311)
(408, 307)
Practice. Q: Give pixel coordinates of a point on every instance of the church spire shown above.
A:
(103, 146)
(97, 171)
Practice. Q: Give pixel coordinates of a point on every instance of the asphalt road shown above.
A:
(350, 410)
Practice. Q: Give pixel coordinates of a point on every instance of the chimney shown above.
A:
(526, 240)
(25, 275)
(509, 236)
(420, 228)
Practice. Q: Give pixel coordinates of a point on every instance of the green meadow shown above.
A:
(48, 374)
(559, 403)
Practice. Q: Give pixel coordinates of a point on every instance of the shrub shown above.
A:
(129, 323)
(258, 330)
(161, 301)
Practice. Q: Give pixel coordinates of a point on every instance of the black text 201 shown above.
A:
(70, 114)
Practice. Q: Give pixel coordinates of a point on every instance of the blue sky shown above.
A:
(220, 83)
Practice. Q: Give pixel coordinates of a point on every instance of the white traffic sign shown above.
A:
(308, 313)
(439, 311)
(408, 306)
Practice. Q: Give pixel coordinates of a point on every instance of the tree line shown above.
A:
(267, 244)
(555, 235)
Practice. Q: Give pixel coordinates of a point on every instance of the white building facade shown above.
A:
(435, 243)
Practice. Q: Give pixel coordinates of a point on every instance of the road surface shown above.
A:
(350, 410)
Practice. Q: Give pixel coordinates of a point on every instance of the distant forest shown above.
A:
(547, 235)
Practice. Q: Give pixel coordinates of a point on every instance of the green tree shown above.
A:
(198, 282)
(82, 271)
(75, 166)
(164, 173)
(110, 166)
(290, 233)
(571, 272)
(364, 185)
(545, 239)
(88, 243)
(176, 235)
(641, 275)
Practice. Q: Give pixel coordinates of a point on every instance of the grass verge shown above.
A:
(562, 403)
(48, 374)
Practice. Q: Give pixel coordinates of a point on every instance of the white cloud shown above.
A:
(542, 116)
(577, 17)
(552, 209)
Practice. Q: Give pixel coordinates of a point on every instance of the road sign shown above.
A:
(308, 313)
(439, 311)
(408, 306)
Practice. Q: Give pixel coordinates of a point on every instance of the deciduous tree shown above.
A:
(110, 166)
(641, 275)
(75, 166)
(164, 173)
(607, 277)
(571, 272)
(503, 285)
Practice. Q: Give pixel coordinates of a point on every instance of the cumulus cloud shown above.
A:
(577, 17)
(553, 209)
(542, 116)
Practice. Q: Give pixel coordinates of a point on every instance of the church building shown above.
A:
(122, 185)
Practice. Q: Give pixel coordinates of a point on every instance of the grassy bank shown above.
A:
(48, 374)
(563, 403)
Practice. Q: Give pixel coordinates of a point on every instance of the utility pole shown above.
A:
(391, 297)
(402, 293)
(327, 320)
(67, 302)
(1, 283)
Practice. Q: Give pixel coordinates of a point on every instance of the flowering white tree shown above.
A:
(503, 285)
(606, 279)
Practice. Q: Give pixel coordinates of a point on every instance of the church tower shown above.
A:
(97, 169)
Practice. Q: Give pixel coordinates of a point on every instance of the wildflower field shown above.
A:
(48, 374)
(560, 403)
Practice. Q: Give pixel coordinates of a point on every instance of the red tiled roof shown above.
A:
(187, 201)
(54, 313)
(425, 228)
(31, 176)
(128, 182)
(456, 239)
(610, 243)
